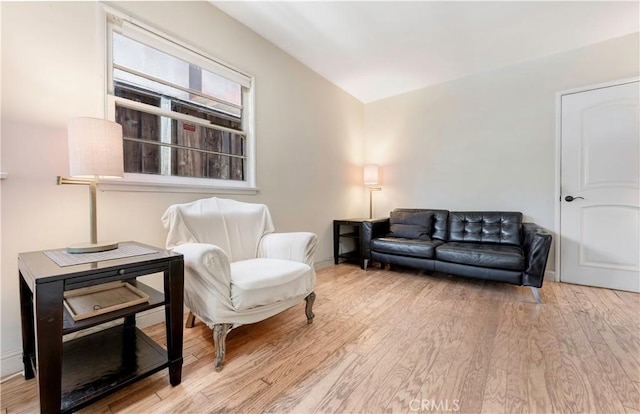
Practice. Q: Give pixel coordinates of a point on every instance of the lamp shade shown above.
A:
(95, 148)
(370, 174)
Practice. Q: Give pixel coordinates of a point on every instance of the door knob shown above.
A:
(569, 199)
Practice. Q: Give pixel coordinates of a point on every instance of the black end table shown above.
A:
(348, 232)
(74, 373)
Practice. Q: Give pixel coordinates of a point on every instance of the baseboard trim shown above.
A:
(550, 275)
(150, 317)
(11, 363)
(321, 264)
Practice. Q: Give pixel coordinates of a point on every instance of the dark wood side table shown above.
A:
(74, 373)
(343, 231)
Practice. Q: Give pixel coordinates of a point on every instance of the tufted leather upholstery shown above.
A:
(485, 227)
(480, 244)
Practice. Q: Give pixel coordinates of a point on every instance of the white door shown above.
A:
(600, 227)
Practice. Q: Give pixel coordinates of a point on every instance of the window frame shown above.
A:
(120, 22)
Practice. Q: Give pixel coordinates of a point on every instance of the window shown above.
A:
(186, 118)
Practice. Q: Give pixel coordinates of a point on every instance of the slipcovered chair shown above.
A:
(237, 270)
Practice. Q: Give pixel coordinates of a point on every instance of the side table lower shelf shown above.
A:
(126, 355)
(350, 256)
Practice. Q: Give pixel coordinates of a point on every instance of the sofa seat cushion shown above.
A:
(424, 249)
(495, 256)
(258, 282)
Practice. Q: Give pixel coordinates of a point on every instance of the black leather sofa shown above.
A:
(495, 245)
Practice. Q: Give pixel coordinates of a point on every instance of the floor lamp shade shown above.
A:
(95, 148)
(370, 174)
(95, 151)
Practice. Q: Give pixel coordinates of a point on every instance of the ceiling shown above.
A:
(374, 50)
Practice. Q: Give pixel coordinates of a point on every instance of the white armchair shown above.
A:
(237, 271)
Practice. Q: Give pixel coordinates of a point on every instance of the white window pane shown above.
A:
(220, 87)
(144, 83)
(142, 58)
(134, 55)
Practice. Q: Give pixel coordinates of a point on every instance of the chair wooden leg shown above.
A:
(220, 332)
(191, 320)
(308, 309)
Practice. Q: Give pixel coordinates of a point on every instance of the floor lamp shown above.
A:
(95, 151)
(371, 179)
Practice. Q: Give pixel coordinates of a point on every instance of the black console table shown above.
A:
(72, 374)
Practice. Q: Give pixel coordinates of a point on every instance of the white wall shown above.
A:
(488, 141)
(309, 135)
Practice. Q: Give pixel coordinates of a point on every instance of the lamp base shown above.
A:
(92, 247)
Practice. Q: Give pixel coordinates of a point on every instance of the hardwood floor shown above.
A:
(400, 341)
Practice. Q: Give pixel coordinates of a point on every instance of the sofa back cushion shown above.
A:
(408, 225)
(418, 223)
(485, 227)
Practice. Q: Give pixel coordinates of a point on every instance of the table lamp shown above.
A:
(95, 152)
(372, 180)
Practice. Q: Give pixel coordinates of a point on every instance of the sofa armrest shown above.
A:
(296, 246)
(536, 243)
(372, 229)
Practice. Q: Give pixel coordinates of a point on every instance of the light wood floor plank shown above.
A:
(468, 374)
(598, 392)
(614, 310)
(392, 372)
(474, 383)
(429, 346)
(545, 339)
(517, 399)
(494, 395)
(626, 392)
(625, 350)
(400, 340)
(305, 396)
(433, 387)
